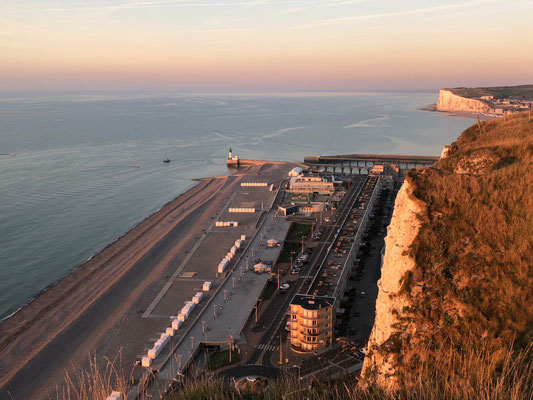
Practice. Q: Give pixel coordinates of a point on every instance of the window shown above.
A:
(314, 322)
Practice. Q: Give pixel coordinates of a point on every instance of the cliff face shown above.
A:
(451, 102)
(396, 269)
(455, 288)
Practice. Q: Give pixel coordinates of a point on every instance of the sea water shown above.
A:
(72, 187)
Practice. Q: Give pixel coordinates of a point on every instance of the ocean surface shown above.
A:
(71, 188)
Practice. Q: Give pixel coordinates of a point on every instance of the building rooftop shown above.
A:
(310, 302)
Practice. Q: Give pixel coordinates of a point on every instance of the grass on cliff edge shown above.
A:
(472, 285)
(463, 375)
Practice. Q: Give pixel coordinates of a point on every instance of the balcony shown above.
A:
(297, 348)
(317, 344)
(304, 332)
(292, 326)
(305, 324)
(312, 318)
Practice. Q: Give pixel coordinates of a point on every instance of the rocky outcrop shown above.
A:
(380, 364)
(451, 102)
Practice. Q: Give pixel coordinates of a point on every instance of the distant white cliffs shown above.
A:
(451, 102)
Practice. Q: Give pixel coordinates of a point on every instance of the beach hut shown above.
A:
(272, 243)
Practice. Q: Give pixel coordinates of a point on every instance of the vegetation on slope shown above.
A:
(472, 286)
(469, 381)
(499, 92)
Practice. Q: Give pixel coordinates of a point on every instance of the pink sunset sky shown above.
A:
(260, 45)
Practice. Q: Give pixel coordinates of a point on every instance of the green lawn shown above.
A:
(285, 256)
(299, 230)
(220, 359)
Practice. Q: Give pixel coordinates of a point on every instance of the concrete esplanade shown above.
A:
(362, 162)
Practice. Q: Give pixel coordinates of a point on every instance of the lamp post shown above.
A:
(256, 308)
(179, 363)
(192, 342)
(299, 370)
(203, 326)
(230, 337)
(292, 254)
(215, 310)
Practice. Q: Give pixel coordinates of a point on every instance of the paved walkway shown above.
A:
(229, 309)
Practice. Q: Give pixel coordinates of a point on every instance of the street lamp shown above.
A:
(299, 370)
(192, 342)
(215, 310)
(292, 254)
(256, 307)
(203, 326)
(179, 363)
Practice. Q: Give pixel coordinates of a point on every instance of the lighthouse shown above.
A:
(233, 161)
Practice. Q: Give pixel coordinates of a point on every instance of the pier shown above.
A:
(363, 163)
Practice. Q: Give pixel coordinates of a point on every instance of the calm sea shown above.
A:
(71, 188)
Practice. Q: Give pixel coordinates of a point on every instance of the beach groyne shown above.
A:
(233, 163)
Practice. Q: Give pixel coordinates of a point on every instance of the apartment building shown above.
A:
(310, 322)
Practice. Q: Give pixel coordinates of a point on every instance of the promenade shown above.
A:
(113, 306)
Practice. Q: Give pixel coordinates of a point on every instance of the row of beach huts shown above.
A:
(227, 223)
(187, 309)
(254, 184)
(241, 209)
(231, 253)
(170, 331)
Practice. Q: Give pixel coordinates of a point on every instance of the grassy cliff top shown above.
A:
(499, 92)
(472, 285)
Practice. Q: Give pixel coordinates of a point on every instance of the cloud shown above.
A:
(290, 11)
(415, 11)
(150, 4)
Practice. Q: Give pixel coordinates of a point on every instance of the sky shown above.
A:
(264, 45)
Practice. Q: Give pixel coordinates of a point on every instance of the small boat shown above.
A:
(167, 160)
(13, 154)
(136, 166)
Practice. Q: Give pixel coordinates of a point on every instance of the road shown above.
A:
(276, 328)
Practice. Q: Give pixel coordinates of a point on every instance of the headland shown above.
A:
(484, 102)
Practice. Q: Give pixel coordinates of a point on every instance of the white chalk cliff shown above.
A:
(379, 366)
(451, 102)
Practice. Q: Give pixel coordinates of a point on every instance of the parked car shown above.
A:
(363, 294)
(284, 286)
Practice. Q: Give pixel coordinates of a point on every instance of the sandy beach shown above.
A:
(82, 313)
